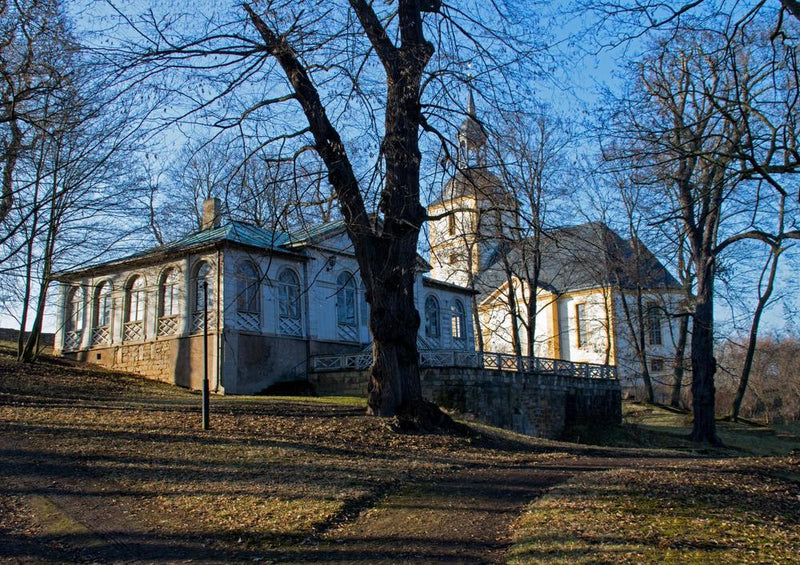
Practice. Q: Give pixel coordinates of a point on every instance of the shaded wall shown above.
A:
(532, 404)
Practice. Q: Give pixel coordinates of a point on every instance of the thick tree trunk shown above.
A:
(394, 321)
(386, 251)
(704, 365)
(680, 353)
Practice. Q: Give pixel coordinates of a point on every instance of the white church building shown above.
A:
(586, 295)
(275, 301)
(272, 301)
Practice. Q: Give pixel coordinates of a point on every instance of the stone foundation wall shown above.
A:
(177, 360)
(532, 404)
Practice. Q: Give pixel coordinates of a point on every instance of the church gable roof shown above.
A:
(579, 258)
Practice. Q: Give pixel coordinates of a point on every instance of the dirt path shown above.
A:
(462, 518)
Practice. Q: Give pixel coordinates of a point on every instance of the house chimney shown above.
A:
(212, 213)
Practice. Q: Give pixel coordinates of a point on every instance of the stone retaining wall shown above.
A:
(533, 404)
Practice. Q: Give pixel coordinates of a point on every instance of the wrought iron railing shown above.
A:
(473, 359)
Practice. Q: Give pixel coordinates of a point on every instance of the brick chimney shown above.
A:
(212, 213)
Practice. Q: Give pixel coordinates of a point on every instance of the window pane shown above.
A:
(289, 295)
(247, 289)
(169, 293)
(431, 317)
(203, 276)
(458, 320)
(135, 300)
(75, 310)
(346, 300)
(580, 323)
(654, 324)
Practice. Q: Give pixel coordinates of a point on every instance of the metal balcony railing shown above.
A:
(472, 359)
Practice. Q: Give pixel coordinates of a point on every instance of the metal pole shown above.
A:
(205, 355)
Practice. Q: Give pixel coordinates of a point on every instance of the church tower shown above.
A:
(476, 213)
(471, 139)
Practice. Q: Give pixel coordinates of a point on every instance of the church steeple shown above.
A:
(471, 138)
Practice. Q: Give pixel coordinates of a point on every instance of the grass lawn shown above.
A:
(97, 465)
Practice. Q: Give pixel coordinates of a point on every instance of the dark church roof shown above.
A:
(578, 258)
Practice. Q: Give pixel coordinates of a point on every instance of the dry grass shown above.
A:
(276, 476)
(710, 512)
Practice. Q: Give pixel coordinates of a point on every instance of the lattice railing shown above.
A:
(290, 326)
(101, 335)
(354, 361)
(167, 326)
(348, 333)
(249, 321)
(133, 331)
(72, 340)
(459, 358)
(198, 322)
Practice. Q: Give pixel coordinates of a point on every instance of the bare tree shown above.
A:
(34, 54)
(321, 65)
(711, 90)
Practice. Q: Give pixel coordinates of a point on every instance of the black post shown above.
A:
(205, 355)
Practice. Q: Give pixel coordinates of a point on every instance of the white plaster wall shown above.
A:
(628, 364)
(119, 279)
(594, 351)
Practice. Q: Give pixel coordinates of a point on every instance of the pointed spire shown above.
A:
(471, 136)
(471, 104)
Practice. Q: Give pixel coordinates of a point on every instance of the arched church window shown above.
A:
(248, 296)
(432, 317)
(101, 323)
(168, 302)
(203, 292)
(654, 319)
(135, 300)
(457, 319)
(247, 288)
(346, 319)
(102, 305)
(169, 293)
(135, 303)
(289, 303)
(73, 318)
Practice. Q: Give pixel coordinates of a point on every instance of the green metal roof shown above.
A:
(307, 235)
(232, 232)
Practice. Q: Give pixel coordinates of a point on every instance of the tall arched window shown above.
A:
(73, 318)
(346, 320)
(654, 319)
(169, 287)
(289, 303)
(169, 293)
(248, 296)
(74, 315)
(135, 303)
(101, 326)
(135, 300)
(203, 292)
(432, 317)
(457, 319)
